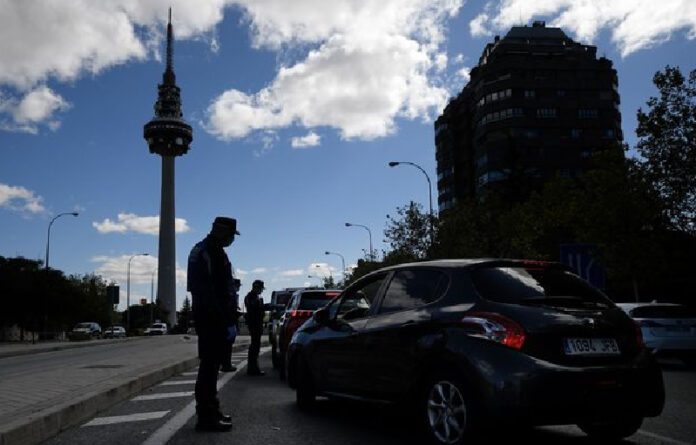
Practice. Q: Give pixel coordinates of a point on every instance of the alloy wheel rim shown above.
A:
(446, 411)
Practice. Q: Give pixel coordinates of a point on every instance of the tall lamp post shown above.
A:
(48, 240)
(430, 192)
(343, 262)
(128, 290)
(369, 232)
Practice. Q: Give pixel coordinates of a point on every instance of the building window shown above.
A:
(585, 154)
(482, 161)
(446, 173)
(606, 95)
(546, 112)
(609, 133)
(530, 133)
(588, 113)
(529, 94)
(575, 133)
(495, 96)
(500, 115)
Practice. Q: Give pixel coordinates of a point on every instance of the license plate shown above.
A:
(591, 346)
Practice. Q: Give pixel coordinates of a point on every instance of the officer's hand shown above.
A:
(231, 333)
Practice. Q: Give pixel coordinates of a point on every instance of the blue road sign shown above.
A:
(584, 260)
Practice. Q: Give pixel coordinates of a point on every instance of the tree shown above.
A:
(667, 144)
(185, 317)
(408, 233)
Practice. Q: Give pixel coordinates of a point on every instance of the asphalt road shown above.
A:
(264, 412)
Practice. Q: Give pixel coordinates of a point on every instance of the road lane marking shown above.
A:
(178, 382)
(167, 431)
(189, 373)
(138, 417)
(662, 438)
(163, 395)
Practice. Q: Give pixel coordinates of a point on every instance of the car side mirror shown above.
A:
(321, 316)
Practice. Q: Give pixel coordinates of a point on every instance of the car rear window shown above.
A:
(657, 311)
(520, 285)
(282, 297)
(310, 301)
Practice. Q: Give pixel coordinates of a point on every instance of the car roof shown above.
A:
(629, 306)
(467, 262)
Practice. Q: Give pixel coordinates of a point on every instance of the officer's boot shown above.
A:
(254, 370)
(210, 419)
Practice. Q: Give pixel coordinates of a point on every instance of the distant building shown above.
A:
(537, 105)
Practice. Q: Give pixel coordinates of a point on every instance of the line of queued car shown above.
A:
(91, 330)
(466, 344)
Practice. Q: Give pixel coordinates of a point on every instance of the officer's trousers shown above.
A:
(254, 348)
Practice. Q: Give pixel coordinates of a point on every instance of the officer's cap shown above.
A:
(258, 283)
(227, 223)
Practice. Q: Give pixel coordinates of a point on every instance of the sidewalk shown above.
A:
(46, 392)
(12, 349)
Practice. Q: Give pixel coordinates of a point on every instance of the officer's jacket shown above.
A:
(210, 283)
(255, 310)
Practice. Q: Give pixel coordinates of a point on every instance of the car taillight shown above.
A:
(495, 327)
(298, 314)
(639, 335)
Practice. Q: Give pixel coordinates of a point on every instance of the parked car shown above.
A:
(469, 342)
(668, 329)
(156, 329)
(114, 332)
(279, 300)
(300, 308)
(86, 331)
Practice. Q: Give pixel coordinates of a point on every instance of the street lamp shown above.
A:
(48, 240)
(430, 192)
(369, 232)
(343, 262)
(128, 290)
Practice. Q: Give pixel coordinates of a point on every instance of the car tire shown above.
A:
(612, 430)
(305, 394)
(446, 411)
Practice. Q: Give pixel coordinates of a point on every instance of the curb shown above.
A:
(61, 346)
(45, 424)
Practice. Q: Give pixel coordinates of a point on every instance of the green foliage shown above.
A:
(46, 300)
(409, 232)
(667, 144)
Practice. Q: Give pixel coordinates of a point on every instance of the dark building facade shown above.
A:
(537, 105)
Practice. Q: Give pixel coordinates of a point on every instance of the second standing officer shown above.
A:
(254, 319)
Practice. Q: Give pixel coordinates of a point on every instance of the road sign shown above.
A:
(584, 260)
(112, 294)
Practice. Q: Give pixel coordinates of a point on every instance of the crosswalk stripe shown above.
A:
(97, 421)
(163, 395)
(189, 373)
(178, 382)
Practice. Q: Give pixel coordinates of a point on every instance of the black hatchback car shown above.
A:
(467, 342)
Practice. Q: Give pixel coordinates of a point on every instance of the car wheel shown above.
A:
(446, 411)
(305, 393)
(612, 430)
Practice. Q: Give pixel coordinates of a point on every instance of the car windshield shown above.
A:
(663, 311)
(282, 298)
(311, 301)
(537, 285)
(83, 325)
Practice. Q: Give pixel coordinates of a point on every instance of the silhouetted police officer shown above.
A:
(254, 319)
(210, 284)
(227, 365)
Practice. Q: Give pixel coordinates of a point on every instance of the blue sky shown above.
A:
(296, 109)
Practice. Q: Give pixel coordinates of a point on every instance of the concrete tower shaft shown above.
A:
(168, 135)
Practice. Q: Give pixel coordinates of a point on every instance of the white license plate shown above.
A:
(591, 346)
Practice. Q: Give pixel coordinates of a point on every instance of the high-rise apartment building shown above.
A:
(538, 104)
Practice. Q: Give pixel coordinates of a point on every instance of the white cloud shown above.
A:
(465, 73)
(141, 269)
(148, 225)
(311, 139)
(20, 199)
(259, 270)
(634, 24)
(293, 273)
(35, 107)
(371, 63)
